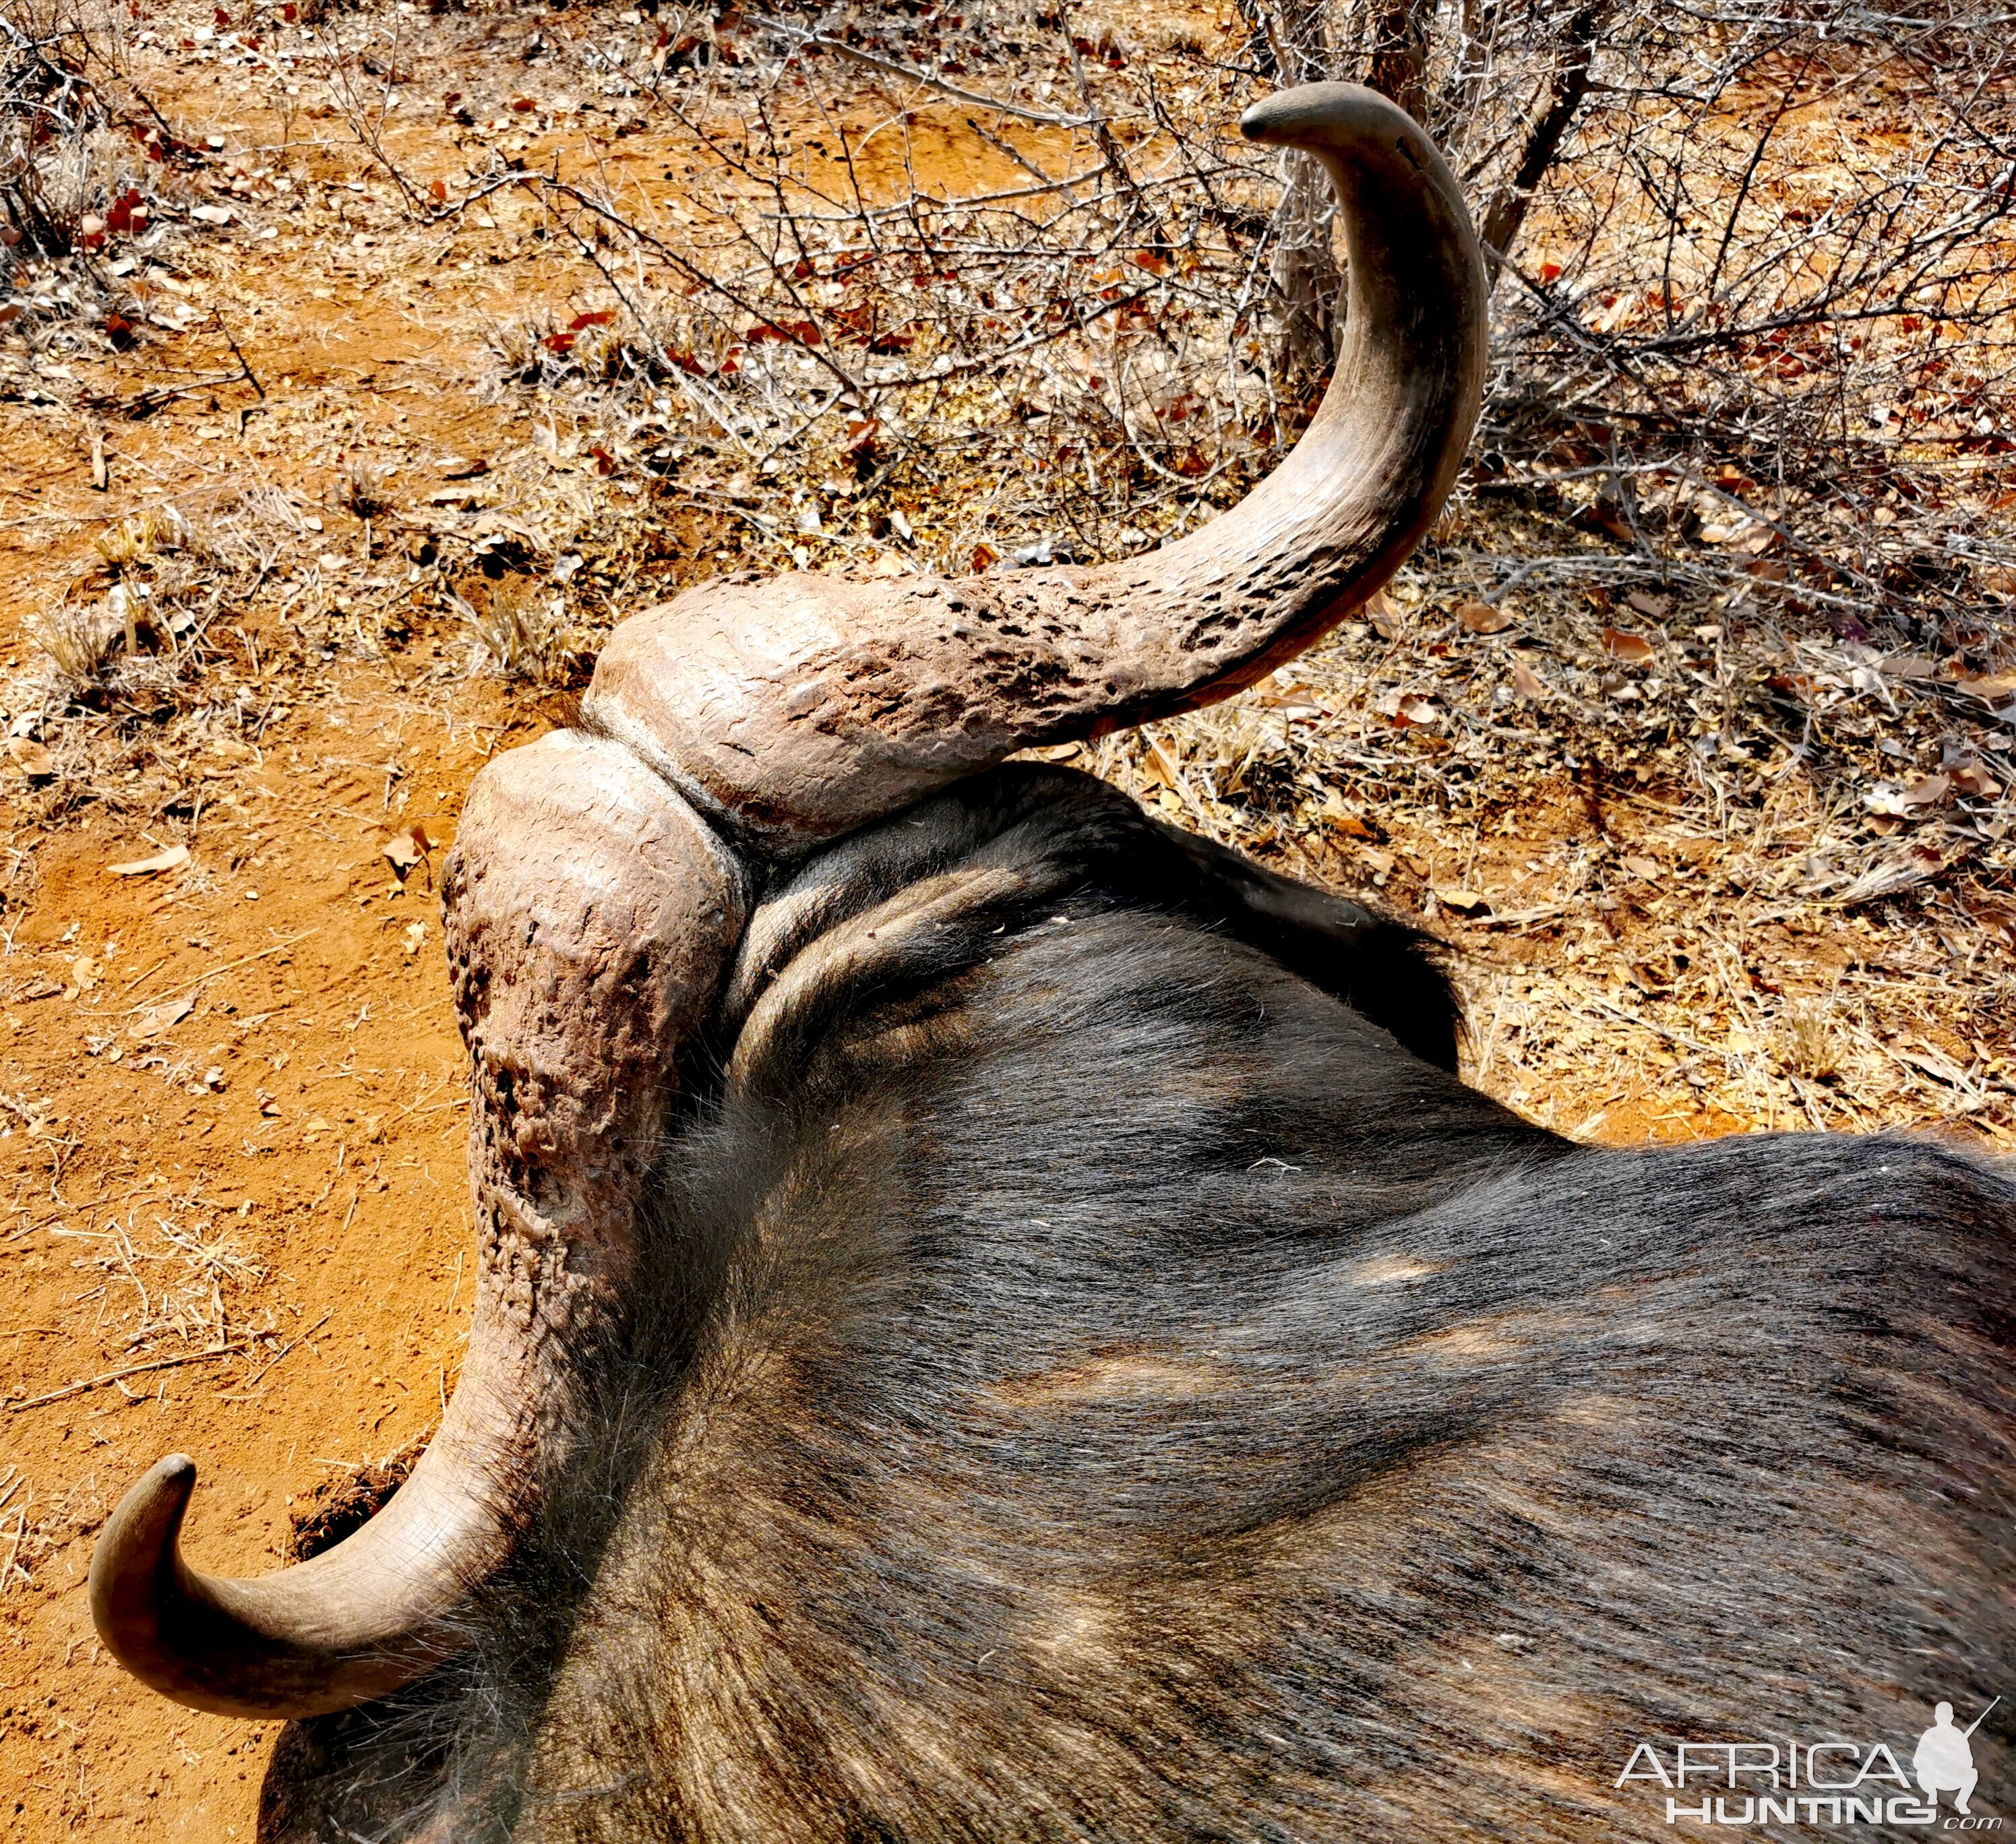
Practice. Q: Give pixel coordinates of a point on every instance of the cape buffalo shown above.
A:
(999, 1321)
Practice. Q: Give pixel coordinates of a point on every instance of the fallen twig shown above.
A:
(244, 364)
(159, 1363)
(299, 1339)
(212, 973)
(144, 403)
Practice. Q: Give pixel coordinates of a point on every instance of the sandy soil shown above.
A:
(282, 1164)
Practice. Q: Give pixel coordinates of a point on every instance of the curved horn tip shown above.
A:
(1314, 114)
(138, 1542)
(163, 1622)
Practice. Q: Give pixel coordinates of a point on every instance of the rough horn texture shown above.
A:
(590, 919)
(797, 709)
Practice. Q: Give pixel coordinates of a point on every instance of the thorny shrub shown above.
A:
(85, 176)
(1754, 303)
(1741, 357)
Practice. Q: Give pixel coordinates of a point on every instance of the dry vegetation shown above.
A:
(361, 365)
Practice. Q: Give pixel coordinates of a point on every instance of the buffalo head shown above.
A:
(604, 877)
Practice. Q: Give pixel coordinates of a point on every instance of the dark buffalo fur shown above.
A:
(1097, 1384)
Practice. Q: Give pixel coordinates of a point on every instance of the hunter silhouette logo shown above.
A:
(1835, 1781)
(1944, 1761)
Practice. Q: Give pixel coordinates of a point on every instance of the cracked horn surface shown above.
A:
(797, 709)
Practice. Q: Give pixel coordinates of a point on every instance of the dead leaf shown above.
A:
(1976, 782)
(1992, 687)
(1653, 607)
(1294, 697)
(1406, 708)
(417, 933)
(405, 850)
(1452, 897)
(31, 758)
(1384, 614)
(1481, 618)
(173, 858)
(1608, 516)
(1157, 768)
(1632, 649)
(454, 468)
(1526, 682)
(1341, 817)
(1642, 867)
(1380, 862)
(157, 1018)
(84, 973)
(1927, 790)
(495, 524)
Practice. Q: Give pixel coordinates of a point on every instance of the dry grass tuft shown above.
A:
(144, 540)
(361, 490)
(27, 1539)
(81, 642)
(515, 635)
(1808, 1031)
